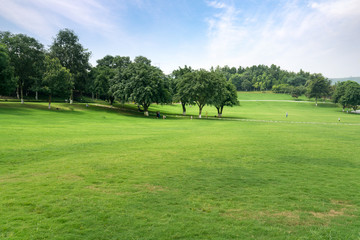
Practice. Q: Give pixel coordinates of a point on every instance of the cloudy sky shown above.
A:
(321, 36)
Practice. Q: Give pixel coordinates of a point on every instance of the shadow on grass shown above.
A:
(25, 109)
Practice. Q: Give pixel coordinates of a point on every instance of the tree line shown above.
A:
(63, 70)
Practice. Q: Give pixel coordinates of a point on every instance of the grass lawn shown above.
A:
(102, 173)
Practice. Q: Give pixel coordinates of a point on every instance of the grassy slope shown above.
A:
(93, 173)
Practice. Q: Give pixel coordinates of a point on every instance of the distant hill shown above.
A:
(355, 79)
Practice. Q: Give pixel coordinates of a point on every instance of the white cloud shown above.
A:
(44, 18)
(321, 37)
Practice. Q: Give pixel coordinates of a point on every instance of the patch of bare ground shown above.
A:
(285, 218)
(150, 188)
(295, 218)
(342, 208)
(70, 177)
(105, 191)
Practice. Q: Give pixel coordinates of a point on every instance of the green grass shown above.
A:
(268, 96)
(101, 173)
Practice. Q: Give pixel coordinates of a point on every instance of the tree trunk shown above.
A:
(92, 95)
(200, 109)
(146, 112)
(184, 108)
(17, 92)
(315, 101)
(220, 111)
(21, 94)
(71, 96)
(49, 101)
(36, 95)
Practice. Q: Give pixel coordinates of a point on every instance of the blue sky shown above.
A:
(319, 36)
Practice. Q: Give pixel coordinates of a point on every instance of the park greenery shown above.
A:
(282, 165)
(25, 70)
(106, 172)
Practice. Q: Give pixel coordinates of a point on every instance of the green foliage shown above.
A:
(57, 79)
(282, 88)
(350, 94)
(340, 91)
(298, 91)
(7, 80)
(175, 80)
(26, 57)
(262, 77)
(73, 56)
(199, 86)
(318, 86)
(142, 83)
(226, 94)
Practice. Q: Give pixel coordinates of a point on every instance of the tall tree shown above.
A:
(7, 81)
(142, 83)
(56, 79)
(118, 85)
(73, 56)
(199, 86)
(226, 94)
(317, 86)
(26, 54)
(178, 96)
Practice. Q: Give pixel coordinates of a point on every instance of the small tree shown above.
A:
(351, 97)
(317, 86)
(25, 53)
(226, 94)
(199, 86)
(340, 92)
(183, 97)
(56, 79)
(142, 83)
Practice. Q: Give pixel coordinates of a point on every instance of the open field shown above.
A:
(101, 173)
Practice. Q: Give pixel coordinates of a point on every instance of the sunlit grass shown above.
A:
(102, 173)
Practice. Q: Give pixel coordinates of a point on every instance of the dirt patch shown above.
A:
(285, 218)
(150, 188)
(105, 191)
(295, 218)
(331, 213)
(344, 208)
(71, 177)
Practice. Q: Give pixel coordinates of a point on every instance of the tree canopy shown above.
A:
(318, 86)
(56, 79)
(142, 83)
(26, 56)
(7, 81)
(73, 56)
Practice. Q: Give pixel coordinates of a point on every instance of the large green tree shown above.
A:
(318, 86)
(56, 79)
(26, 55)
(340, 92)
(179, 96)
(226, 94)
(351, 96)
(142, 83)
(199, 86)
(7, 81)
(73, 56)
(118, 85)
